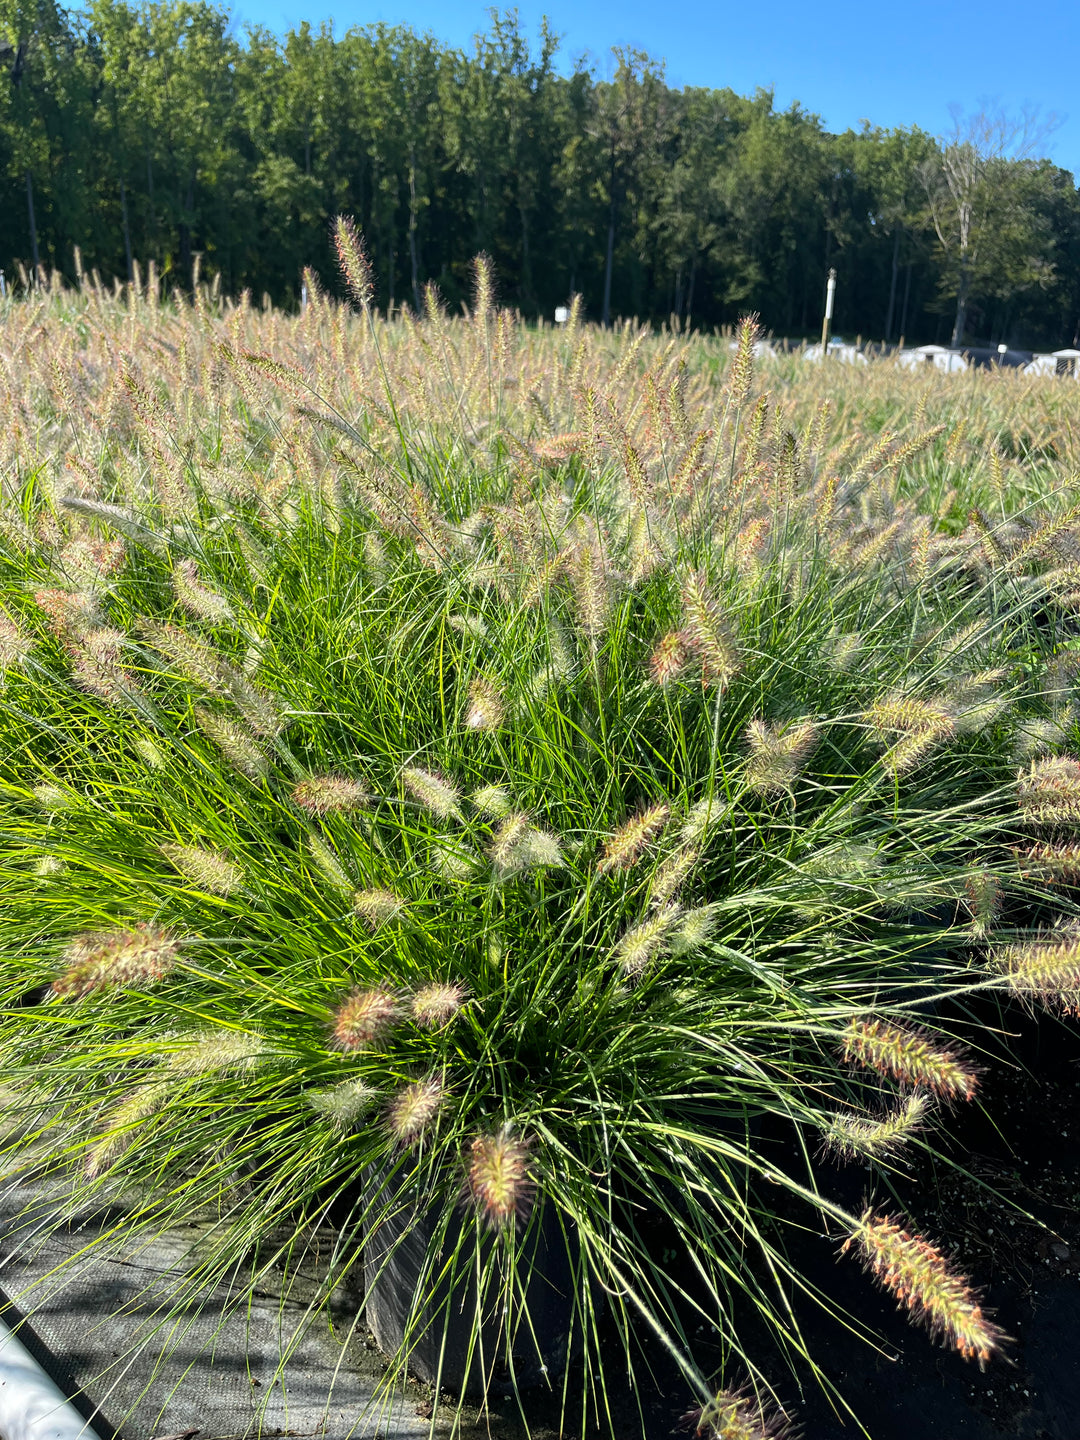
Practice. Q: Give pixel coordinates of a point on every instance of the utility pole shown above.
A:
(826, 324)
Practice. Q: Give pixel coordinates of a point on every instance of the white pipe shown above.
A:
(31, 1406)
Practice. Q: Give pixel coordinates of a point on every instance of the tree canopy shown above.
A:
(154, 132)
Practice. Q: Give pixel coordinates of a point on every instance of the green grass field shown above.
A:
(516, 769)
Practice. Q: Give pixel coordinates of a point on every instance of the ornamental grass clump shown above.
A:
(481, 779)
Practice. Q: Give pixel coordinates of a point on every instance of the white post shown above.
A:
(31, 1405)
(826, 324)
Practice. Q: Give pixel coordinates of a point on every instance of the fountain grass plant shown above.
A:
(446, 763)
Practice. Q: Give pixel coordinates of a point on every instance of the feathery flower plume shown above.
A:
(499, 1184)
(844, 649)
(15, 644)
(702, 817)
(195, 598)
(557, 449)
(921, 1278)
(910, 1056)
(49, 867)
(414, 1109)
(483, 288)
(67, 610)
(485, 709)
(592, 588)
(330, 795)
(623, 849)
(214, 1051)
(708, 631)
(325, 859)
(118, 959)
(1052, 863)
(90, 563)
(492, 800)
(741, 374)
(905, 715)
(503, 850)
(364, 1018)
(148, 752)
(469, 625)
(435, 1005)
(342, 1105)
(669, 878)
(204, 868)
(519, 845)
(641, 943)
(982, 896)
(121, 1125)
(433, 793)
(96, 666)
(668, 660)
(454, 862)
(53, 798)
(694, 930)
(235, 743)
(1046, 969)
(377, 907)
(353, 260)
(1049, 793)
(195, 662)
(258, 707)
(777, 754)
(735, 1415)
(878, 1137)
(540, 849)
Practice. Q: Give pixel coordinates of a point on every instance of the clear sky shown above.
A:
(904, 63)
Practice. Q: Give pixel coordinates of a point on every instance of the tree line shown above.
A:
(139, 132)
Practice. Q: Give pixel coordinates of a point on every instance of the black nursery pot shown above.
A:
(536, 1335)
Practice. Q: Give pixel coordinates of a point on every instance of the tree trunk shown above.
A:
(414, 255)
(150, 195)
(127, 230)
(690, 293)
(892, 286)
(907, 296)
(184, 229)
(526, 268)
(33, 224)
(605, 314)
(961, 306)
(677, 305)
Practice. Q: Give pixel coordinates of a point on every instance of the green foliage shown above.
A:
(540, 796)
(149, 132)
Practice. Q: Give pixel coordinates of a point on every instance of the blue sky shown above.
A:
(894, 64)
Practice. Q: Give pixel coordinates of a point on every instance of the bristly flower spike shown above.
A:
(485, 709)
(735, 1415)
(878, 1137)
(435, 1005)
(342, 1105)
(1045, 969)
(668, 660)
(414, 1109)
(499, 1183)
(364, 1018)
(433, 793)
(118, 960)
(330, 795)
(206, 869)
(377, 907)
(624, 848)
(353, 260)
(920, 1277)
(741, 373)
(911, 1056)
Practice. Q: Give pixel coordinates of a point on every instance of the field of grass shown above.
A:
(512, 772)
